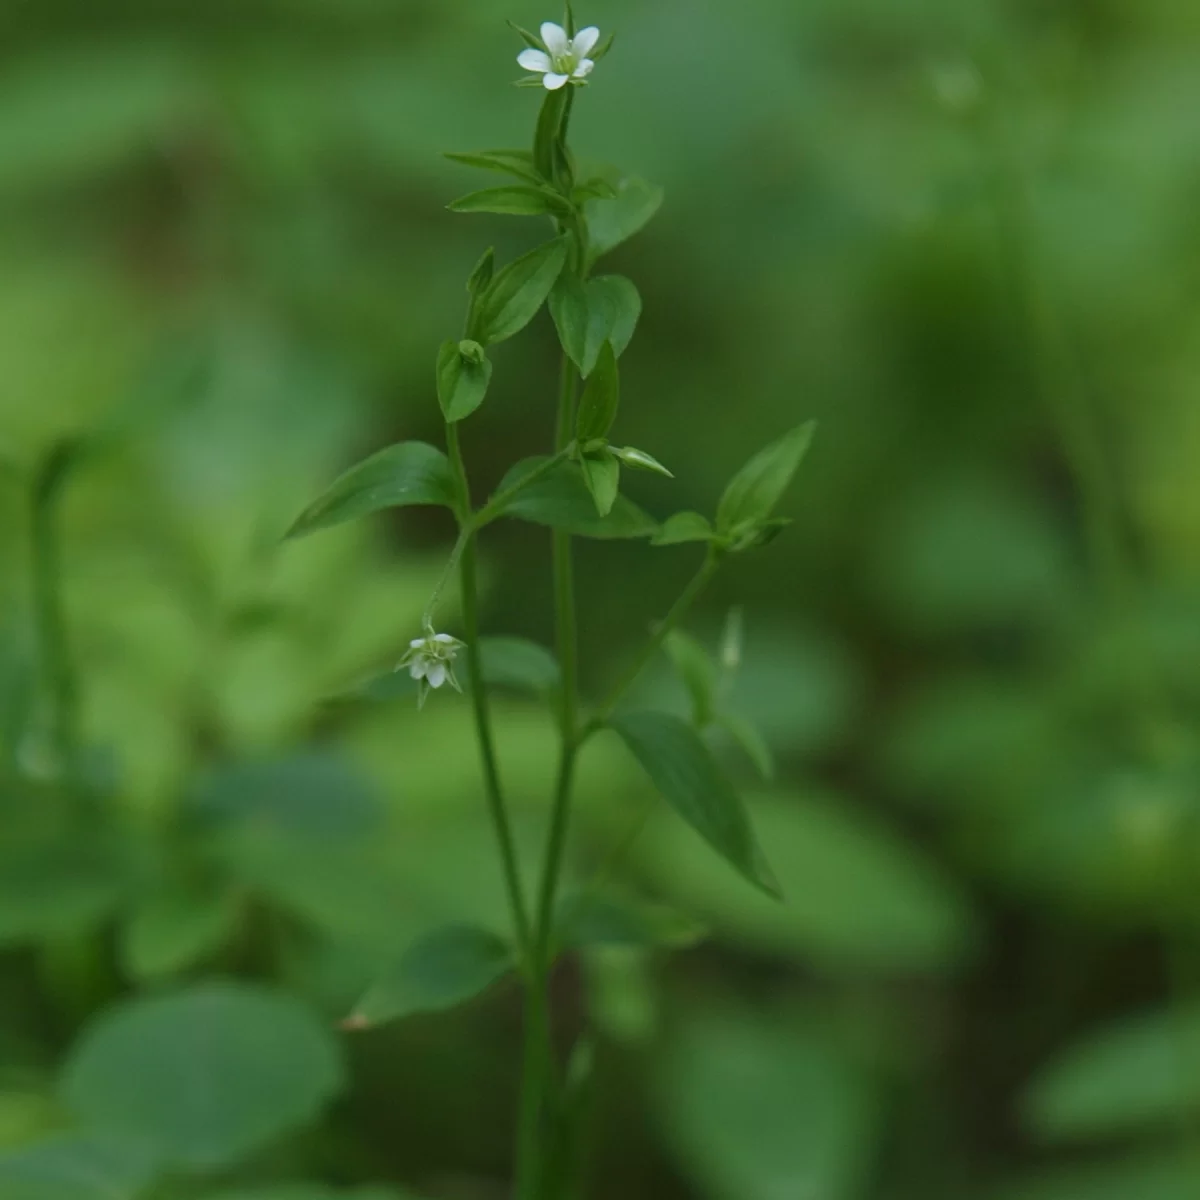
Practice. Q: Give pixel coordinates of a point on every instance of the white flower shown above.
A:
(565, 58)
(430, 661)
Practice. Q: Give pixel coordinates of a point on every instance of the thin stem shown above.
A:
(46, 568)
(479, 704)
(464, 536)
(678, 611)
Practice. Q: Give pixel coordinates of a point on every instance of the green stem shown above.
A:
(678, 611)
(479, 704)
(46, 568)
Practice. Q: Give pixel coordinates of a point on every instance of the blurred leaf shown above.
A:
(1136, 1073)
(688, 778)
(683, 527)
(750, 741)
(1166, 1177)
(409, 473)
(439, 971)
(604, 309)
(561, 500)
(461, 383)
(857, 897)
(760, 1109)
(519, 663)
(591, 918)
(511, 201)
(203, 1076)
(309, 1191)
(757, 488)
(698, 672)
(175, 929)
(309, 792)
(601, 396)
(516, 293)
(602, 474)
(611, 222)
(77, 1167)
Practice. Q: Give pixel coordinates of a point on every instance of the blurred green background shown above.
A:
(964, 237)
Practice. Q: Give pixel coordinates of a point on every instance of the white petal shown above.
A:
(444, 638)
(534, 60)
(436, 675)
(417, 670)
(416, 643)
(585, 41)
(555, 38)
(554, 82)
(584, 69)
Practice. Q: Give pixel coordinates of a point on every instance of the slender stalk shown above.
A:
(46, 568)
(479, 703)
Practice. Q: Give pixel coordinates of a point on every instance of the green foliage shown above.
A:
(205, 1075)
(589, 919)
(562, 500)
(1129, 1076)
(684, 527)
(752, 494)
(518, 163)
(512, 299)
(463, 375)
(410, 473)
(600, 399)
(172, 930)
(612, 222)
(442, 969)
(602, 311)
(77, 1167)
(519, 664)
(512, 201)
(683, 770)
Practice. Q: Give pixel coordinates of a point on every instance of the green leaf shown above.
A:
(685, 773)
(698, 672)
(513, 298)
(683, 527)
(603, 48)
(511, 201)
(596, 188)
(439, 971)
(1126, 1077)
(760, 1107)
(77, 1167)
(755, 490)
(611, 222)
(588, 919)
(482, 273)
(462, 382)
(406, 474)
(639, 460)
(751, 742)
(518, 163)
(175, 929)
(204, 1076)
(519, 663)
(601, 396)
(533, 42)
(602, 474)
(606, 308)
(548, 154)
(310, 1191)
(561, 500)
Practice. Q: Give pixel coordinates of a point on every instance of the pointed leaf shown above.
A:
(406, 474)
(439, 971)
(639, 460)
(77, 1167)
(600, 399)
(517, 163)
(750, 741)
(482, 273)
(561, 499)
(606, 308)
(602, 473)
(513, 298)
(175, 929)
(756, 489)
(204, 1076)
(462, 381)
(511, 201)
(683, 527)
(687, 776)
(611, 222)
(519, 663)
(531, 40)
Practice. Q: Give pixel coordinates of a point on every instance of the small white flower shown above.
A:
(564, 58)
(430, 661)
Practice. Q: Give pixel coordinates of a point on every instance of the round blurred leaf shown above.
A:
(203, 1076)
